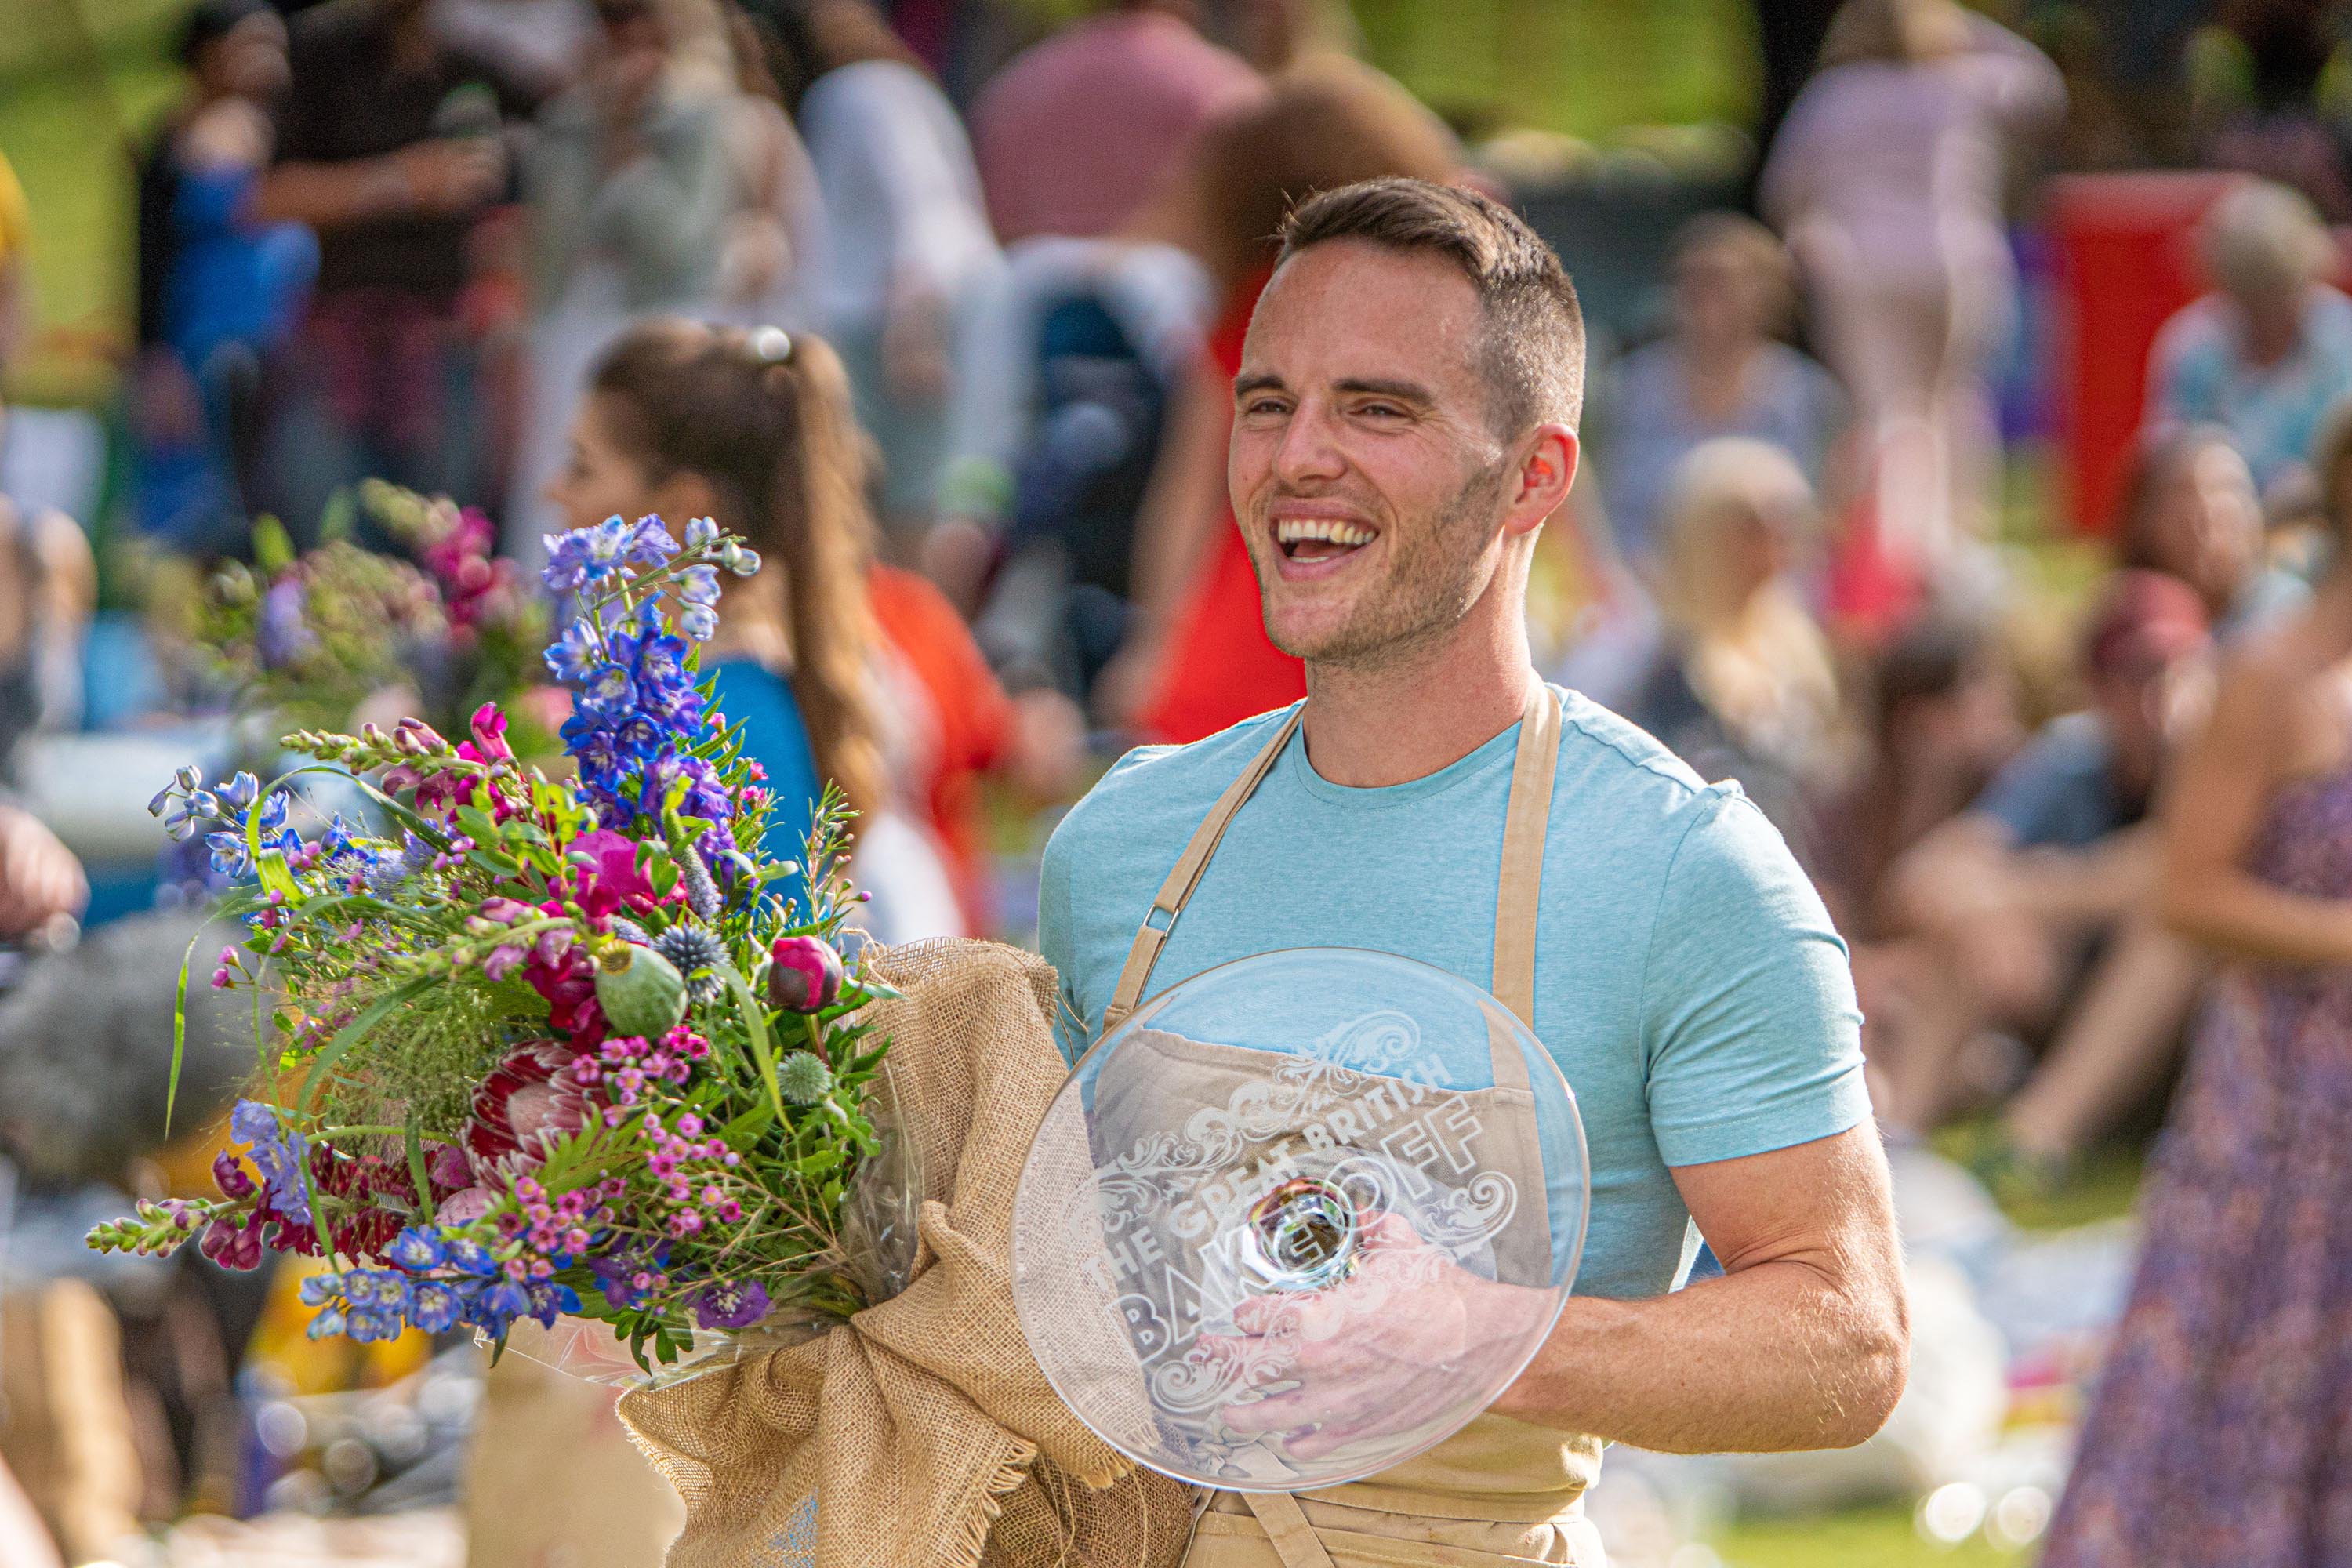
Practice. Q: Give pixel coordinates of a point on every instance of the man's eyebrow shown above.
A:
(1256, 381)
(1402, 391)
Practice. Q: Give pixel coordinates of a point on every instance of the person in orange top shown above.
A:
(1199, 659)
(949, 723)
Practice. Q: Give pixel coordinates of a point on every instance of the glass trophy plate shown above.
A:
(1299, 1218)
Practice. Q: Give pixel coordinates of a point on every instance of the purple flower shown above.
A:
(318, 1290)
(433, 1306)
(570, 657)
(698, 622)
(730, 1304)
(416, 1250)
(609, 691)
(699, 585)
(700, 532)
(277, 1153)
(281, 632)
(330, 1322)
(650, 543)
(369, 1324)
(803, 974)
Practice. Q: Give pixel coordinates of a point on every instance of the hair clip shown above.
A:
(770, 345)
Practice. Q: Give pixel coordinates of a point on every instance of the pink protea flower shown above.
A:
(530, 1097)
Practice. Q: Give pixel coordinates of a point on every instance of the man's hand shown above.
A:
(1385, 1351)
(40, 877)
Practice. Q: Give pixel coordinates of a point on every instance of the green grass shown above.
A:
(1862, 1538)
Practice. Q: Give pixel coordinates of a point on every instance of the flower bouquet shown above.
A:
(310, 638)
(534, 1048)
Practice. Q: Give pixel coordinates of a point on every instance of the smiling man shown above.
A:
(1404, 423)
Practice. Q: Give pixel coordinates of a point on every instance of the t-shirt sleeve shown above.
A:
(1751, 1030)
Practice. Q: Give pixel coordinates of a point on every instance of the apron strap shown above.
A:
(1287, 1530)
(1176, 890)
(1524, 823)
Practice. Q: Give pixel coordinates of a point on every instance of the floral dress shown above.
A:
(2222, 1431)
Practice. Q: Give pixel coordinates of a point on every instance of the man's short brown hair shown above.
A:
(1533, 355)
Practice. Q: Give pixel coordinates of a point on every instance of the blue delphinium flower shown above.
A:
(699, 585)
(416, 1250)
(570, 657)
(700, 531)
(650, 543)
(469, 1257)
(433, 1305)
(609, 692)
(277, 1153)
(698, 622)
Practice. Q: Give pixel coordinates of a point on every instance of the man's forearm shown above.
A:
(1776, 1357)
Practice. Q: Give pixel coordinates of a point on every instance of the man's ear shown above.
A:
(1547, 469)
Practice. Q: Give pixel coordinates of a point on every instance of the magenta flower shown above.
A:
(608, 873)
(489, 741)
(803, 974)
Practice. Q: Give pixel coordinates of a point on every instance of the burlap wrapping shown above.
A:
(923, 1425)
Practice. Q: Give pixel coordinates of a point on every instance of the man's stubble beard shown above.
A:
(1435, 578)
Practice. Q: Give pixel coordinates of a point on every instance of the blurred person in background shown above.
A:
(390, 149)
(1720, 370)
(220, 291)
(2268, 352)
(1196, 657)
(49, 590)
(909, 247)
(754, 429)
(1745, 685)
(1081, 129)
(2266, 96)
(2190, 511)
(1887, 179)
(629, 187)
(774, 250)
(1940, 718)
(2035, 907)
(2217, 1430)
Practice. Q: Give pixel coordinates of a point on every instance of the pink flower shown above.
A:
(464, 1206)
(608, 873)
(803, 974)
(489, 742)
(530, 1098)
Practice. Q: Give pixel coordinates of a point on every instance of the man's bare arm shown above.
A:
(1803, 1344)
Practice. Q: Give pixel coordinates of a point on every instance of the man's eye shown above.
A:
(1264, 406)
(1381, 410)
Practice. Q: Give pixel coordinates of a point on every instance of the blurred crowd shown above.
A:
(939, 307)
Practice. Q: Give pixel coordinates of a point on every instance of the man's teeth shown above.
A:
(1329, 530)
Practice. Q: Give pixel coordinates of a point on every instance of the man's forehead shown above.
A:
(1347, 308)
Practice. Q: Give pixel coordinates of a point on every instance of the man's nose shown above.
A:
(1310, 449)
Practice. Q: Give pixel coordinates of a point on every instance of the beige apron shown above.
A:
(1499, 1490)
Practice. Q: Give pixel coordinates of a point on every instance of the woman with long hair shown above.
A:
(2218, 1430)
(754, 429)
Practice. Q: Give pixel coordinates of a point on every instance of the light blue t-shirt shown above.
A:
(1688, 980)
